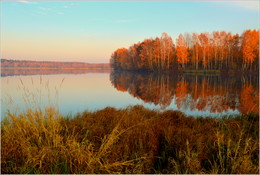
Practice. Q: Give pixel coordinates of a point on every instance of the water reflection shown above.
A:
(211, 94)
(76, 92)
(15, 72)
(70, 93)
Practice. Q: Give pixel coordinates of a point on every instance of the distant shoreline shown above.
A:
(53, 68)
(54, 65)
(14, 71)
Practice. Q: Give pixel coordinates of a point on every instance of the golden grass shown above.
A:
(131, 140)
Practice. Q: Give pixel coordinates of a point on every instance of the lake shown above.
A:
(75, 91)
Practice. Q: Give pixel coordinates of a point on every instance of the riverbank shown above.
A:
(131, 140)
(215, 72)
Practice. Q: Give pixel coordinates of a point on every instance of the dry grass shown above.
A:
(131, 140)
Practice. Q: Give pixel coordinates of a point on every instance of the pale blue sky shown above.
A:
(90, 31)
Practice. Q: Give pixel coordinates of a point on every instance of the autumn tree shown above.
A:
(250, 48)
(195, 50)
(119, 58)
(167, 50)
(181, 51)
(147, 53)
(236, 55)
(219, 50)
(204, 48)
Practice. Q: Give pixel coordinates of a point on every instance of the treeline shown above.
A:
(50, 64)
(218, 50)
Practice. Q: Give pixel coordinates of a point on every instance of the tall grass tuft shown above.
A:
(131, 140)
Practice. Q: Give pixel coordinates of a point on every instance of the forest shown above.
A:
(219, 50)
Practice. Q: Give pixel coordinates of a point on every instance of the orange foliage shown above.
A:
(219, 50)
(250, 46)
(249, 100)
(181, 50)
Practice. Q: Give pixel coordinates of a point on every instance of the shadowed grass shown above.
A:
(131, 140)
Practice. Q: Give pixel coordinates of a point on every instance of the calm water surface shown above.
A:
(195, 95)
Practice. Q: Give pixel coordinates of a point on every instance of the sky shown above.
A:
(90, 31)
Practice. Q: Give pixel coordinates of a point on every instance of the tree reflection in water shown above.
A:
(213, 93)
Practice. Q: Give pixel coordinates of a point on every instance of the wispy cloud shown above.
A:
(26, 2)
(41, 13)
(23, 1)
(124, 21)
(252, 5)
(45, 9)
(59, 13)
(249, 5)
(112, 21)
(73, 3)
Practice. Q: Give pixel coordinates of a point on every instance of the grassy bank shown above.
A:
(131, 140)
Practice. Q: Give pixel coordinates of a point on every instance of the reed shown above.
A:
(131, 140)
